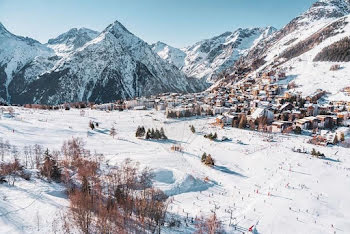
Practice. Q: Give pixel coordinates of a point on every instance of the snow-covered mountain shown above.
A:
(294, 48)
(82, 65)
(71, 40)
(15, 53)
(207, 58)
(170, 54)
(114, 65)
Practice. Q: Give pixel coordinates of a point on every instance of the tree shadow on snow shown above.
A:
(228, 171)
(331, 159)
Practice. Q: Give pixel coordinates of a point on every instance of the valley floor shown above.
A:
(261, 183)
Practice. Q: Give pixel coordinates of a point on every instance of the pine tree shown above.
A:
(193, 130)
(140, 132)
(204, 157)
(49, 168)
(157, 134)
(148, 134)
(153, 133)
(313, 152)
(91, 125)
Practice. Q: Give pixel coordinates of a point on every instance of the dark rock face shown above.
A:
(3, 78)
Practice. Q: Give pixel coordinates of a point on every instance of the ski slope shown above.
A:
(307, 195)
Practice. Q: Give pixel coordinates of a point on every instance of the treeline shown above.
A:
(337, 52)
(66, 106)
(312, 41)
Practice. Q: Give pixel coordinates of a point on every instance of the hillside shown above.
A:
(303, 189)
(208, 58)
(294, 49)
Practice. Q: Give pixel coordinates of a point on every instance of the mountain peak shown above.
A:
(73, 34)
(117, 28)
(71, 40)
(324, 9)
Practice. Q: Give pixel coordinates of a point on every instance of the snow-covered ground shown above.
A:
(307, 195)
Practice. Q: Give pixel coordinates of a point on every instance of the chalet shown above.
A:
(303, 124)
(316, 95)
(343, 115)
(329, 136)
(314, 122)
(160, 106)
(286, 106)
(311, 109)
(262, 112)
(280, 126)
(326, 121)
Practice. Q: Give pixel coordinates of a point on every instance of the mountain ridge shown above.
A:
(113, 65)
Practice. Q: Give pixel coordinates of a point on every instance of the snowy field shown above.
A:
(307, 195)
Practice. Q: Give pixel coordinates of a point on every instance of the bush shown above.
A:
(211, 136)
(317, 153)
(207, 160)
(11, 171)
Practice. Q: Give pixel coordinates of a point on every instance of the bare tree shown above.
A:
(113, 132)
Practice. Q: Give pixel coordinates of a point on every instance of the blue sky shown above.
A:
(176, 22)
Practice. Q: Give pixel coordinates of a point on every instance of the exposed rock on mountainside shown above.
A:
(71, 40)
(82, 66)
(207, 58)
(15, 53)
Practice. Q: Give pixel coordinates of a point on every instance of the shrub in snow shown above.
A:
(211, 136)
(207, 160)
(317, 154)
(10, 171)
